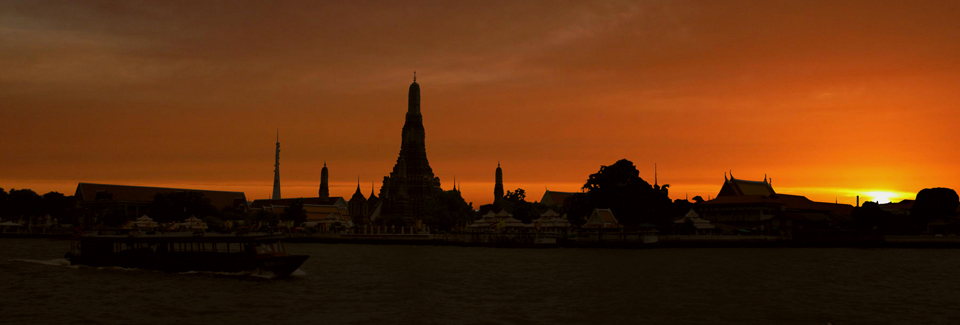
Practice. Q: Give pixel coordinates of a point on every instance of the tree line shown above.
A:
(27, 206)
(617, 187)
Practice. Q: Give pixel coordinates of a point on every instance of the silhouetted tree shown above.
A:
(934, 203)
(632, 200)
(515, 196)
(295, 212)
(229, 213)
(576, 208)
(213, 223)
(486, 208)
(870, 218)
(114, 216)
(698, 199)
(680, 208)
(262, 217)
(24, 204)
(3, 203)
(515, 203)
(178, 206)
(525, 211)
(59, 206)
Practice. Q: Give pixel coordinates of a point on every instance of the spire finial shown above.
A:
(324, 163)
(414, 75)
(731, 174)
(764, 178)
(278, 135)
(654, 174)
(725, 176)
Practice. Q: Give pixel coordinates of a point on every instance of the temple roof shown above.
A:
(554, 197)
(734, 186)
(789, 202)
(601, 218)
(550, 213)
(333, 200)
(358, 195)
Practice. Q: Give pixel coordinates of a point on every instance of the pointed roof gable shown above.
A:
(555, 198)
(601, 218)
(738, 187)
(550, 213)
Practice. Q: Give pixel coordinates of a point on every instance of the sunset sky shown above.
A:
(831, 99)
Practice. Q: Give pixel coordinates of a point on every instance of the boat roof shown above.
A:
(183, 238)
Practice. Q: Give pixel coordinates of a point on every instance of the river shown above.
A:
(370, 284)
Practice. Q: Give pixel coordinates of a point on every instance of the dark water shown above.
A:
(441, 285)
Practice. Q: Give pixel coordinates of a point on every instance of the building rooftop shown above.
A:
(88, 192)
(257, 204)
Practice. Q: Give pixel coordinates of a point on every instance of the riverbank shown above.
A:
(623, 241)
(632, 241)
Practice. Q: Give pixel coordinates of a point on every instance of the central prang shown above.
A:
(411, 182)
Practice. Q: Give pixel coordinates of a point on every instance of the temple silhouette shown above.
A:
(411, 182)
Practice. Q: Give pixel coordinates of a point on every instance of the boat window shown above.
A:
(265, 249)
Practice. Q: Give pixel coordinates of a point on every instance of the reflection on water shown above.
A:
(425, 284)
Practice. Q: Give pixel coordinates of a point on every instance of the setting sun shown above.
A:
(883, 196)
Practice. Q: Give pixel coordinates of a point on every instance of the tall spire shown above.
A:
(654, 173)
(498, 187)
(276, 170)
(358, 186)
(324, 184)
(413, 98)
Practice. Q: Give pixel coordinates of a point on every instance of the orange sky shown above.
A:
(831, 99)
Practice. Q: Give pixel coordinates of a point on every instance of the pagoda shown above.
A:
(412, 181)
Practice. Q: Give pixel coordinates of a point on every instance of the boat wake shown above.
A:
(257, 274)
(53, 262)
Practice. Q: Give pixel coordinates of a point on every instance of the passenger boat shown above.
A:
(187, 252)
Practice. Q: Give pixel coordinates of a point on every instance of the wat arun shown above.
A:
(411, 182)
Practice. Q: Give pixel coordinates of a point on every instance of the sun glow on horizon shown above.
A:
(849, 195)
(882, 196)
